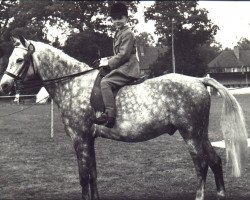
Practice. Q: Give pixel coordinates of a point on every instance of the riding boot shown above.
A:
(107, 118)
(110, 112)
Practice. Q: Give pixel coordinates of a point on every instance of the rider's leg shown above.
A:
(110, 83)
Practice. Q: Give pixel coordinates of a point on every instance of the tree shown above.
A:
(192, 29)
(73, 18)
(208, 52)
(5, 8)
(34, 19)
(159, 68)
(145, 39)
(244, 43)
(88, 46)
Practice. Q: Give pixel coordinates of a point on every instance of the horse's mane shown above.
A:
(60, 54)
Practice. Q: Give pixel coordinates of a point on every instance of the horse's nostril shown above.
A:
(5, 87)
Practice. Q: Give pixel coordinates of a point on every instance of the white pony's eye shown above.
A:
(19, 60)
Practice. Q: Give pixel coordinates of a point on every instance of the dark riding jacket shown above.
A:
(124, 60)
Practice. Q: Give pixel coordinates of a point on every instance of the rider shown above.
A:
(123, 65)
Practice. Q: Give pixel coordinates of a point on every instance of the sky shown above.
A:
(232, 17)
(142, 26)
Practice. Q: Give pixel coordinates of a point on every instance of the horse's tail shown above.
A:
(233, 127)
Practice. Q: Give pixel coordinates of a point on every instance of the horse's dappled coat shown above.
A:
(159, 105)
(72, 97)
(141, 108)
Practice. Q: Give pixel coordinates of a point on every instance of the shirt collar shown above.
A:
(119, 31)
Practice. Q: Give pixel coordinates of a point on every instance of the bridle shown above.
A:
(28, 61)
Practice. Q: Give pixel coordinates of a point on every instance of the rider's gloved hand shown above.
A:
(105, 66)
(103, 62)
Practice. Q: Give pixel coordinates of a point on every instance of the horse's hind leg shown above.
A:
(198, 156)
(214, 162)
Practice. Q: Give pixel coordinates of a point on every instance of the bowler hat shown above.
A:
(118, 10)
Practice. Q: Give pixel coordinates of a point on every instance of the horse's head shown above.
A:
(20, 64)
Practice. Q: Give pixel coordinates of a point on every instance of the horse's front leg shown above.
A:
(82, 149)
(93, 172)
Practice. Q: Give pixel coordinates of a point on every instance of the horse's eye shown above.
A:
(19, 60)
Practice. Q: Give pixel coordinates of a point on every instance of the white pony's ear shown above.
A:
(14, 40)
(24, 42)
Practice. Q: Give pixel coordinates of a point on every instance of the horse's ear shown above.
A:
(14, 40)
(23, 40)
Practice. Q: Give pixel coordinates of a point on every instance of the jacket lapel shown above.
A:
(117, 39)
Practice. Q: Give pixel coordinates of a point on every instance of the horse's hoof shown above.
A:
(221, 195)
(199, 195)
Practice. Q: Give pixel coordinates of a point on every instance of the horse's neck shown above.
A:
(53, 63)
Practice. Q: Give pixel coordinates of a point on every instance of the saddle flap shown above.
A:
(96, 100)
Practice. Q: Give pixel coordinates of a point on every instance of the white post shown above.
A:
(208, 87)
(52, 119)
(173, 55)
(17, 98)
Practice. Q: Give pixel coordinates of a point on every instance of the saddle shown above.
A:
(96, 99)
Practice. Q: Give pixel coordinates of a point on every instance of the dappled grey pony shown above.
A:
(159, 105)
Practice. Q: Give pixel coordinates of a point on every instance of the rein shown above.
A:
(35, 84)
(28, 60)
(23, 71)
(18, 111)
(53, 80)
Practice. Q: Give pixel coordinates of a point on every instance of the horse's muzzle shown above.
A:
(5, 88)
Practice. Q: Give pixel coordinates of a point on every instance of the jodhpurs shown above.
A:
(110, 83)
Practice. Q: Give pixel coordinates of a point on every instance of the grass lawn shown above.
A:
(34, 166)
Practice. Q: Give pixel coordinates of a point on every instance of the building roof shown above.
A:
(148, 55)
(227, 59)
